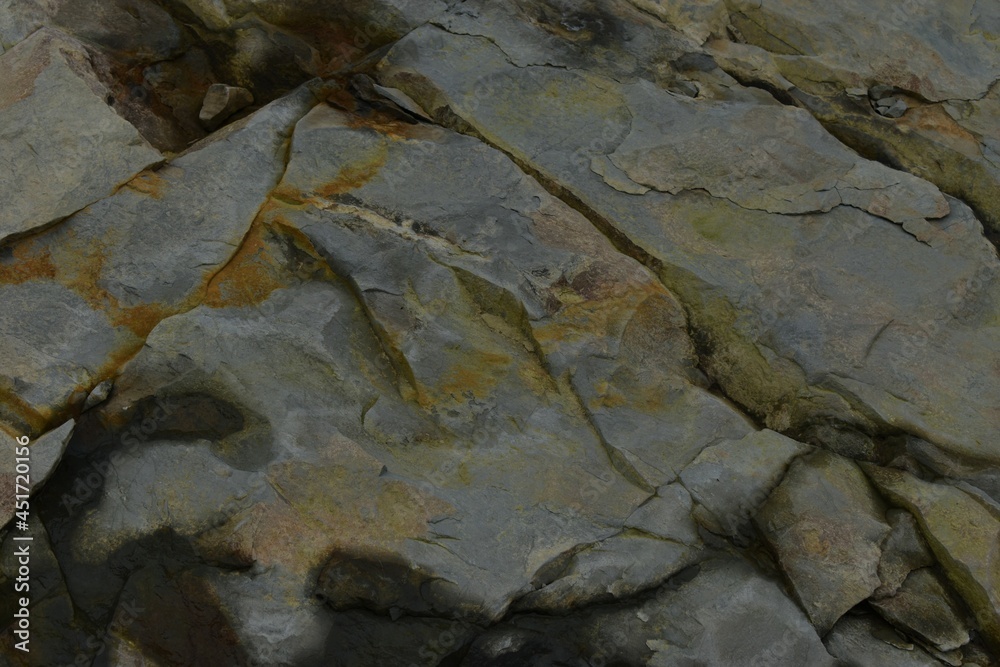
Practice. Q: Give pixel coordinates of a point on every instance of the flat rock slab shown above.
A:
(868, 641)
(732, 479)
(721, 612)
(879, 301)
(825, 523)
(80, 297)
(903, 551)
(962, 530)
(42, 456)
(924, 607)
(61, 146)
(532, 270)
(948, 51)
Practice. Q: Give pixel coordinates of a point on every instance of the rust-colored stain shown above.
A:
(934, 120)
(610, 399)
(149, 183)
(478, 372)
(385, 123)
(284, 194)
(250, 276)
(352, 177)
(274, 255)
(26, 418)
(30, 262)
(19, 79)
(315, 268)
(342, 99)
(815, 542)
(140, 319)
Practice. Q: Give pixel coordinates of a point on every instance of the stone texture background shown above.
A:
(467, 333)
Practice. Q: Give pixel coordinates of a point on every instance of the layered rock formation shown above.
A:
(413, 332)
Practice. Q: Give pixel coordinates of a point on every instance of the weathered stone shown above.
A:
(61, 146)
(824, 523)
(600, 320)
(722, 612)
(221, 102)
(767, 294)
(732, 479)
(98, 395)
(847, 39)
(867, 641)
(962, 532)
(924, 607)
(666, 515)
(903, 551)
(946, 55)
(81, 297)
(501, 346)
(25, 473)
(134, 30)
(616, 568)
(894, 108)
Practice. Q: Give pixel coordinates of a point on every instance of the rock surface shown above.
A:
(221, 102)
(62, 147)
(619, 332)
(825, 524)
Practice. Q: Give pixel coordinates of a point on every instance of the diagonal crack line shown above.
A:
(616, 459)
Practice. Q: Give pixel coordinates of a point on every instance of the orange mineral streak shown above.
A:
(30, 262)
(83, 276)
(579, 320)
(21, 66)
(149, 183)
(477, 371)
(933, 120)
(250, 276)
(352, 177)
(25, 419)
(385, 123)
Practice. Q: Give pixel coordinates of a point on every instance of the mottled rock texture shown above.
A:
(535, 333)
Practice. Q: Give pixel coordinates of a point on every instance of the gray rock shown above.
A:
(221, 102)
(850, 38)
(903, 551)
(619, 567)
(666, 515)
(951, 64)
(730, 615)
(825, 524)
(925, 608)
(98, 395)
(136, 31)
(632, 368)
(83, 295)
(867, 641)
(500, 347)
(892, 107)
(773, 328)
(61, 146)
(732, 479)
(880, 91)
(962, 532)
(720, 613)
(43, 455)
